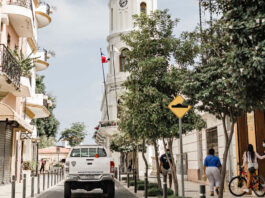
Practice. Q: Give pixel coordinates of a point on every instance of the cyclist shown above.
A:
(250, 157)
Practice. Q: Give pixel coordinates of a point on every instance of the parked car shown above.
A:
(89, 167)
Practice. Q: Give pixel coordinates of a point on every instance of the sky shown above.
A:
(78, 30)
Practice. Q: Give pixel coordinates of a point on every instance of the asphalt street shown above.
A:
(58, 192)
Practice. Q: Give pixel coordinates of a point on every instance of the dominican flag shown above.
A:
(104, 59)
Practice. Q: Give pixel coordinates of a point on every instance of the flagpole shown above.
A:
(105, 88)
(114, 75)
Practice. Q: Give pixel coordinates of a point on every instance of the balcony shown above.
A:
(108, 128)
(10, 75)
(20, 15)
(43, 15)
(40, 61)
(37, 106)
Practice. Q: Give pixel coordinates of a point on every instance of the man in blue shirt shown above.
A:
(211, 170)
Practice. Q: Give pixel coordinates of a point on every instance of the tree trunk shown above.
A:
(157, 165)
(126, 161)
(173, 168)
(228, 139)
(144, 158)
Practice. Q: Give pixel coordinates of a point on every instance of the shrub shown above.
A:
(138, 182)
(154, 192)
(153, 185)
(140, 186)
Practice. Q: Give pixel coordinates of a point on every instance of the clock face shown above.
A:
(123, 3)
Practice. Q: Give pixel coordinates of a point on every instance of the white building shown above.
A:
(121, 21)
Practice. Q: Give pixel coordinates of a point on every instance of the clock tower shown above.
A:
(120, 21)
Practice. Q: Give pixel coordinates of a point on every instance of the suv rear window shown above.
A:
(88, 152)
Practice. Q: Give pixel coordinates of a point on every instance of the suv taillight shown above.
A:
(112, 165)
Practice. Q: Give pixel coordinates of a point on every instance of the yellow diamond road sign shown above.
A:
(177, 108)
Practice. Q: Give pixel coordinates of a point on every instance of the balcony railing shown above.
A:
(10, 66)
(47, 7)
(23, 3)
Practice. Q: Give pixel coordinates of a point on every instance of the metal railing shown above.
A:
(23, 3)
(48, 8)
(9, 66)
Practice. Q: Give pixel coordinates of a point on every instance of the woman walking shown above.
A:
(211, 170)
(250, 157)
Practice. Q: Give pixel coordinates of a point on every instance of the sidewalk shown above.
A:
(192, 189)
(5, 190)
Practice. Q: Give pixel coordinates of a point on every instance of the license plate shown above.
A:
(87, 177)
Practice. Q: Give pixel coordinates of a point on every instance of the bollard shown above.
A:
(165, 185)
(202, 191)
(48, 181)
(128, 179)
(145, 185)
(38, 183)
(54, 183)
(119, 173)
(116, 173)
(43, 181)
(51, 178)
(13, 188)
(57, 176)
(135, 180)
(32, 184)
(24, 186)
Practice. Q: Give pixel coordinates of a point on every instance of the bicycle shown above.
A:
(237, 184)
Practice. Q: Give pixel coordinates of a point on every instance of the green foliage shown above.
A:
(46, 126)
(26, 63)
(75, 134)
(122, 143)
(152, 83)
(47, 141)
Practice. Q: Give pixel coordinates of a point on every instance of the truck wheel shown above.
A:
(111, 189)
(67, 190)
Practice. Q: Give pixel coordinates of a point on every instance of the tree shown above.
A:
(229, 81)
(46, 126)
(152, 85)
(47, 142)
(75, 134)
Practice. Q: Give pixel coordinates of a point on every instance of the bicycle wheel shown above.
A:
(236, 186)
(259, 186)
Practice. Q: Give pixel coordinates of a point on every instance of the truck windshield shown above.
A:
(88, 152)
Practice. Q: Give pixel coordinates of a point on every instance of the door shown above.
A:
(6, 138)
(260, 137)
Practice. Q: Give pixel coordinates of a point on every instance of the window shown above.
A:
(102, 152)
(84, 152)
(123, 60)
(143, 7)
(75, 153)
(212, 139)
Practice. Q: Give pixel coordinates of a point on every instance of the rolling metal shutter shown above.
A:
(6, 136)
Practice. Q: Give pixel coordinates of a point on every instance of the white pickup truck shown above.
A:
(89, 167)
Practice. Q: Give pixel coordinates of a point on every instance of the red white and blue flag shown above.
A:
(104, 59)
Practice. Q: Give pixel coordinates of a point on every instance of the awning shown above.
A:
(6, 112)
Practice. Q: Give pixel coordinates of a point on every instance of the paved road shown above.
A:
(58, 192)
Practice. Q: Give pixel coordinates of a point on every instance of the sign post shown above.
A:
(177, 107)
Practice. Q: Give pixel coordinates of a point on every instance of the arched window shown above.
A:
(143, 7)
(123, 60)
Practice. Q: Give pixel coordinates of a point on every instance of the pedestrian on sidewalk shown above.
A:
(211, 170)
(250, 158)
(165, 167)
(43, 162)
